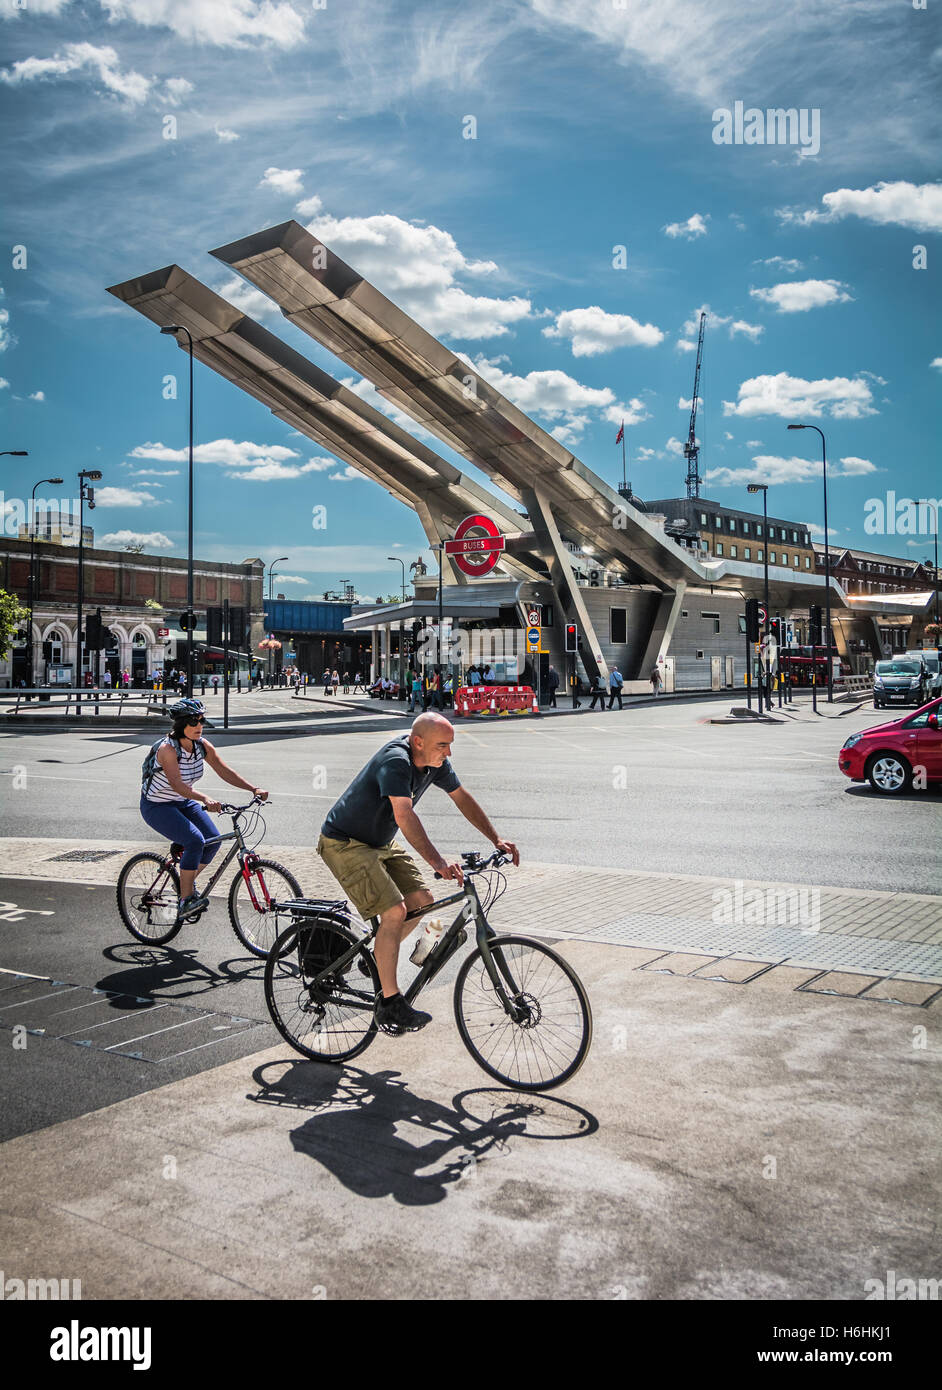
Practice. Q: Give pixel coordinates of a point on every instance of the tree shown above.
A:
(12, 614)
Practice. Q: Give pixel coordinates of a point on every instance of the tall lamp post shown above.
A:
(175, 328)
(86, 494)
(271, 571)
(929, 502)
(403, 563)
(31, 587)
(827, 560)
(401, 653)
(764, 489)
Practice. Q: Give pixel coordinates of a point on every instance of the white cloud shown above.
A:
(936, 362)
(225, 23)
(282, 180)
(685, 345)
(900, 204)
(840, 396)
(417, 268)
(789, 266)
(125, 497)
(769, 468)
(309, 207)
(674, 446)
(226, 136)
(685, 403)
(76, 57)
(817, 532)
(694, 226)
(348, 475)
(753, 443)
(290, 578)
(797, 296)
(592, 331)
(4, 384)
(368, 392)
(175, 89)
(727, 435)
(557, 396)
(153, 472)
(246, 297)
(37, 396)
(274, 472)
(224, 451)
(151, 540)
(644, 453)
(753, 331)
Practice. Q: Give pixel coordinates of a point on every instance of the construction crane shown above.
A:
(692, 448)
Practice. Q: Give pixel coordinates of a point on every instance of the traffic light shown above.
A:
(776, 630)
(214, 627)
(237, 633)
(752, 620)
(94, 633)
(572, 638)
(186, 621)
(47, 651)
(816, 624)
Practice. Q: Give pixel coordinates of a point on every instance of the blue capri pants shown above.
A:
(187, 824)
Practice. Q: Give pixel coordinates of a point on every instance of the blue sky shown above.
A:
(593, 124)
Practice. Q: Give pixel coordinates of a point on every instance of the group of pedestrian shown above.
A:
(597, 690)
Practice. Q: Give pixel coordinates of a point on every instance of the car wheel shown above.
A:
(878, 704)
(889, 773)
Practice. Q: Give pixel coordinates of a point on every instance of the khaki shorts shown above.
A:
(373, 879)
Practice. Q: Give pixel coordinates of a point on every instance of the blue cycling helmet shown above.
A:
(183, 709)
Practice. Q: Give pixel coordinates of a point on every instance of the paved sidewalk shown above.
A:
(718, 1143)
(722, 925)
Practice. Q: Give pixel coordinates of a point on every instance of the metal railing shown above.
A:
(39, 699)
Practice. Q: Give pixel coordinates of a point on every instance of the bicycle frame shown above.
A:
(245, 862)
(451, 940)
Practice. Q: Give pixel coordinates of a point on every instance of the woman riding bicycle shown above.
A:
(170, 805)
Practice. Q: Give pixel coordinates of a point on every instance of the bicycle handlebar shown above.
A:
(473, 864)
(227, 810)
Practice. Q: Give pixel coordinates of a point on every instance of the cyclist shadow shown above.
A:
(355, 1131)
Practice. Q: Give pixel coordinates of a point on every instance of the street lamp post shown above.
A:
(929, 502)
(86, 494)
(401, 653)
(827, 561)
(764, 489)
(31, 586)
(177, 328)
(271, 571)
(403, 563)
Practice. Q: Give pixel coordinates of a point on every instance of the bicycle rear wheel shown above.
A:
(548, 1039)
(148, 896)
(252, 918)
(323, 1013)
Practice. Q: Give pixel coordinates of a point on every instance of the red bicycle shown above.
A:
(149, 889)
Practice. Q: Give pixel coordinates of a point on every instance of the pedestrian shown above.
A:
(326, 680)
(415, 691)
(574, 683)
(490, 675)
(215, 685)
(449, 692)
(106, 681)
(474, 676)
(181, 682)
(615, 683)
(437, 687)
(335, 681)
(358, 684)
(346, 682)
(552, 685)
(655, 679)
(597, 691)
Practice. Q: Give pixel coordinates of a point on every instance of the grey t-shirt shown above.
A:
(364, 812)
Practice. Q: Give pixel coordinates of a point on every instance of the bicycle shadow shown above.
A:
(161, 972)
(356, 1130)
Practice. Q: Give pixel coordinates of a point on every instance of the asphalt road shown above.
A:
(653, 788)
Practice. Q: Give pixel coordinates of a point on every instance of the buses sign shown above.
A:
(477, 546)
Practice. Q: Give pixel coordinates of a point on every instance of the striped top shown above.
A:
(191, 770)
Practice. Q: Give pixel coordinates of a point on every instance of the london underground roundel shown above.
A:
(477, 545)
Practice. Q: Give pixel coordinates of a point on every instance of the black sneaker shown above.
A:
(395, 1016)
(192, 908)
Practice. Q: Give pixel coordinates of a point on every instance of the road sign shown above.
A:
(477, 545)
(163, 632)
(533, 638)
(533, 617)
(763, 615)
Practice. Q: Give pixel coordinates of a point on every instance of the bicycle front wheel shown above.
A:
(324, 1013)
(545, 1037)
(250, 912)
(148, 897)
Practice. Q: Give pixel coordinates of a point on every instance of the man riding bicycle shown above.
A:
(377, 875)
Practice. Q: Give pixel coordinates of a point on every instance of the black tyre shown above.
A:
(889, 773)
(148, 896)
(548, 1043)
(254, 922)
(324, 1013)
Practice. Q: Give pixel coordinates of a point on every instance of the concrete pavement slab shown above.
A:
(717, 1143)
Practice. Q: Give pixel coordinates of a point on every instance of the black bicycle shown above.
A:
(521, 1010)
(149, 889)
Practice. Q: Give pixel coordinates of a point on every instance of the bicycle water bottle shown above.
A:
(428, 940)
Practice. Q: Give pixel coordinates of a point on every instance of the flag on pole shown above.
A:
(621, 433)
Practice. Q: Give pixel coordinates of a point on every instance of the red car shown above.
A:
(888, 756)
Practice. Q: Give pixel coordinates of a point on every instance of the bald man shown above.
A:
(377, 875)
